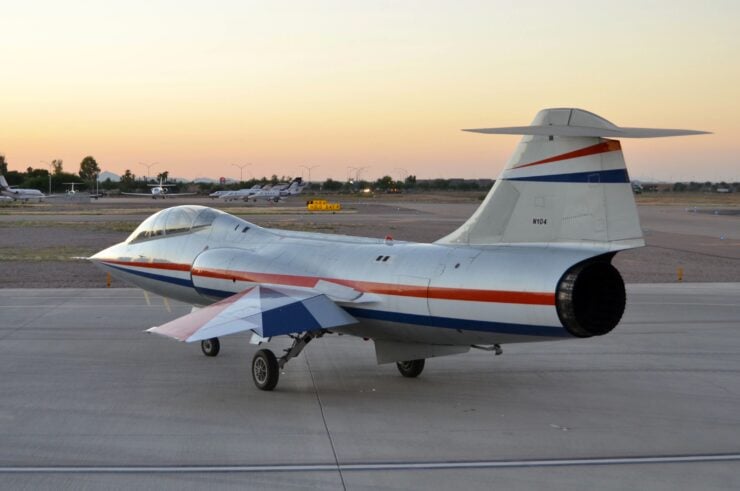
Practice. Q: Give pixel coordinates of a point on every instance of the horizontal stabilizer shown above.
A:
(571, 122)
(266, 311)
(557, 130)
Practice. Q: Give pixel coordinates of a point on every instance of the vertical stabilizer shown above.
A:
(565, 183)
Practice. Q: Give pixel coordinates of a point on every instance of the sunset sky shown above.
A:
(200, 85)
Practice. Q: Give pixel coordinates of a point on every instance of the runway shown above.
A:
(88, 400)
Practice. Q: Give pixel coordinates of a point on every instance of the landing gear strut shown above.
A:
(210, 347)
(266, 366)
(411, 368)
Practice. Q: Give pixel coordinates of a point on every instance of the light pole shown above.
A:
(404, 172)
(148, 167)
(50, 166)
(359, 172)
(349, 172)
(309, 168)
(241, 170)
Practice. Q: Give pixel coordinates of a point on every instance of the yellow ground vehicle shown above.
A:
(322, 205)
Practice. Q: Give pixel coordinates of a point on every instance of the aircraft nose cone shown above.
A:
(105, 254)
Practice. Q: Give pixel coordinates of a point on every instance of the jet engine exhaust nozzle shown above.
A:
(590, 298)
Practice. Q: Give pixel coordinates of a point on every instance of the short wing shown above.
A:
(267, 311)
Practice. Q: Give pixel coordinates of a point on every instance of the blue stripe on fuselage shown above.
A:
(398, 317)
(153, 276)
(462, 324)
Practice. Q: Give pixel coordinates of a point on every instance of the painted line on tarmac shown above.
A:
(396, 466)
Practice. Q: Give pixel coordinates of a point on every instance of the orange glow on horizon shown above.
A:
(383, 86)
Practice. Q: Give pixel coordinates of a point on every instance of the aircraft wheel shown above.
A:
(210, 347)
(411, 368)
(265, 370)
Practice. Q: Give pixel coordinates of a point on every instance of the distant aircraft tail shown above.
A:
(3, 182)
(296, 187)
(565, 183)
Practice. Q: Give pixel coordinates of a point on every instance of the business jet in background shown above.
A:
(277, 193)
(533, 263)
(160, 191)
(72, 191)
(19, 194)
(240, 194)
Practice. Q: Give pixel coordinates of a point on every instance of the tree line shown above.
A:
(54, 177)
(40, 178)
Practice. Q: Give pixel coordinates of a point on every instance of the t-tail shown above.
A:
(566, 183)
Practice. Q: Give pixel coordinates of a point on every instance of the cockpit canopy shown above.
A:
(176, 220)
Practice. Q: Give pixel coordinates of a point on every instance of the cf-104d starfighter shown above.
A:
(533, 263)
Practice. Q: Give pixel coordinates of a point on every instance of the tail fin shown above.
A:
(565, 183)
(3, 183)
(296, 186)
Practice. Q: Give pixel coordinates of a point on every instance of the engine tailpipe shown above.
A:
(590, 298)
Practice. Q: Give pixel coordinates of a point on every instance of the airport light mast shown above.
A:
(349, 172)
(241, 170)
(309, 168)
(148, 168)
(50, 166)
(359, 172)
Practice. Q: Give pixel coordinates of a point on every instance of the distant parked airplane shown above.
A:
(277, 193)
(72, 191)
(18, 194)
(159, 191)
(242, 194)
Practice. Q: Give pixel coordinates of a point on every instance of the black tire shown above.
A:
(411, 368)
(265, 370)
(210, 347)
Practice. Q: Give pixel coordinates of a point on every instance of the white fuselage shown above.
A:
(242, 194)
(17, 194)
(423, 293)
(159, 192)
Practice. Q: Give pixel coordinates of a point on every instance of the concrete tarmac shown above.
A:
(89, 401)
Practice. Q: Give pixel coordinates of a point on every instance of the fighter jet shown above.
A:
(533, 263)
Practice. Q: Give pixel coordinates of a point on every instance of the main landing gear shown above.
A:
(266, 366)
(411, 368)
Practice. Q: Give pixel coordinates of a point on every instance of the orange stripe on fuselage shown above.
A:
(603, 147)
(440, 293)
(417, 291)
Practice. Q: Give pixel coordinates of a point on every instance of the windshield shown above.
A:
(173, 221)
